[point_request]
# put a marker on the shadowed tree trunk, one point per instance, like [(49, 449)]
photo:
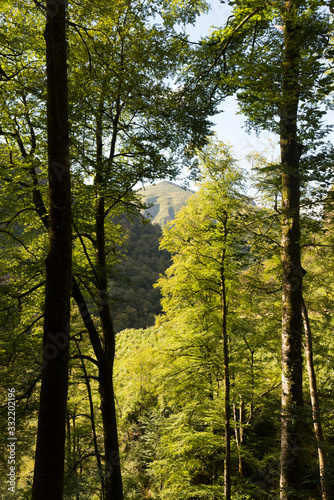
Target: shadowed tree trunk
[(50, 448), (113, 478), (239, 420), (113, 489), (315, 406), (292, 273), (92, 418)]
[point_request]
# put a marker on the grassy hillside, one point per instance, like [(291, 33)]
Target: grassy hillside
[(167, 199)]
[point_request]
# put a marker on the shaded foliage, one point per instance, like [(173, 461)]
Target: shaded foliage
[(136, 302)]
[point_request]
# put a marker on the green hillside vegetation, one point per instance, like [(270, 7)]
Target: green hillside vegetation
[(215, 351), (135, 302), (166, 199), (190, 358)]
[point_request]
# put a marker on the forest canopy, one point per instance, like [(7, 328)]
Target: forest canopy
[(186, 362)]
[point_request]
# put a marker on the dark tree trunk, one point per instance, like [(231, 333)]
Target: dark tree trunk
[(326, 495), (227, 403), (113, 481), (292, 273), (50, 448), (92, 419), (113, 478)]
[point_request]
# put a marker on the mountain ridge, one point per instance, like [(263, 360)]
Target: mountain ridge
[(166, 198)]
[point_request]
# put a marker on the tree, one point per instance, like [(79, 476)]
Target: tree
[(204, 329), (50, 447), (282, 87), (125, 103), (292, 272), (323, 468), (129, 123)]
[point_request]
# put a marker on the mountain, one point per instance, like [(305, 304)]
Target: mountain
[(167, 199), (135, 302)]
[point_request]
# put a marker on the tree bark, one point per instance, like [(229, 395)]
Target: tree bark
[(227, 403), (292, 273), (92, 419), (113, 489), (59, 178), (113, 478), (315, 406), (239, 417), (50, 447)]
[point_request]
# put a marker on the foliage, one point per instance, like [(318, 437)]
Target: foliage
[(139, 101), (123, 66), (135, 303), (193, 371)]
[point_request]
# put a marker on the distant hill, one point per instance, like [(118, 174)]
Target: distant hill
[(167, 199), (135, 303)]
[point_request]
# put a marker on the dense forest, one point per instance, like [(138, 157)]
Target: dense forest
[(193, 361)]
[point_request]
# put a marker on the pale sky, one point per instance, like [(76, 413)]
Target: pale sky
[(229, 126)]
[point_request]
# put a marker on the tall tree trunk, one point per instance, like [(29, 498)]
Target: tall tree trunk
[(113, 479), (292, 273), (315, 405), (50, 447), (227, 403)]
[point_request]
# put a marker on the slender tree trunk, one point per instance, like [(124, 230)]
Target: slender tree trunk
[(92, 418), (113, 479), (227, 404), (315, 405), (50, 448), (239, 417), (292, 274)]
